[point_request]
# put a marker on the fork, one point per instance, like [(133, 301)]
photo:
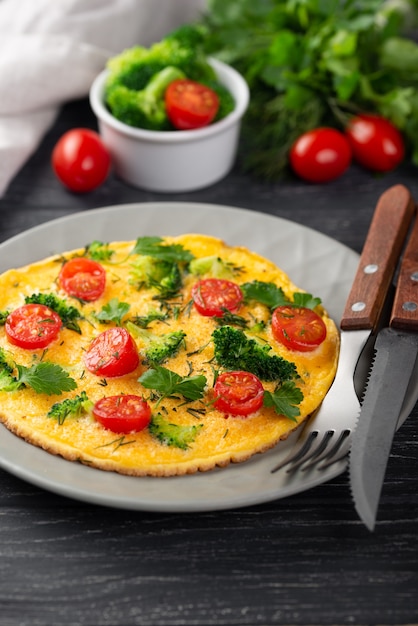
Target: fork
[(326, 438)]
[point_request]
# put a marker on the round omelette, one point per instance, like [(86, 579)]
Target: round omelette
[(171, 297)]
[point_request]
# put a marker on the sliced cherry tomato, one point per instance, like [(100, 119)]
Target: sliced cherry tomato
[(238, 393), (32, 326), (298, 328), (320, 155), (213, 296), (83, 279), (190, 105), (80, 160), (123, 414), (376, 143), (112, 353)]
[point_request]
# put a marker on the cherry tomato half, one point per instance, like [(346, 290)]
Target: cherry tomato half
[(83, 279), (122, 414), (190, 105), (113, 353), (375, 142), (320, 155), (298, 328), (80, 160), (213, 296), (238, 393), (32, 326)]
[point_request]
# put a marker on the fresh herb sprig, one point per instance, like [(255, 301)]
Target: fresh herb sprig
[(168, 383), (43, 376), (311, 64)]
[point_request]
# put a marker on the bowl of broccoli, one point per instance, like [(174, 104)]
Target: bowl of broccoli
[(170, 116)]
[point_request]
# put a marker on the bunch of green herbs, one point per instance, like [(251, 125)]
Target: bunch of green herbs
[(312, 63)]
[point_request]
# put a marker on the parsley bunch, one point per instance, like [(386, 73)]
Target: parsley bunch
[(312, 63)]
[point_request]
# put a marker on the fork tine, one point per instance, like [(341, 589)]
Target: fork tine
[(303, 449), (331, 453), (326, 452)]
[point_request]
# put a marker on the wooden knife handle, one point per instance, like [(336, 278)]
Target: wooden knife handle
[(404, 313), (382, 249)]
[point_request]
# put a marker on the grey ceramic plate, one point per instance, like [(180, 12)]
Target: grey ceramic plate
[(314, 262)]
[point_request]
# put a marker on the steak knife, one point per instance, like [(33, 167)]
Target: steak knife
[(391, 380)]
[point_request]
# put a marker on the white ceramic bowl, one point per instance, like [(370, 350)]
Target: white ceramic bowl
[(173, 161)]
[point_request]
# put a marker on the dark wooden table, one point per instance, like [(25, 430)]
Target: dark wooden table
[(306, 559)]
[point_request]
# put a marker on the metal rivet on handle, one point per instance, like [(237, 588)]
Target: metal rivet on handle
[(358, 306), (414, 276), (409, 306), (370, 269)]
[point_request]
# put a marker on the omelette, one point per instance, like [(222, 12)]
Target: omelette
[(161, 356)]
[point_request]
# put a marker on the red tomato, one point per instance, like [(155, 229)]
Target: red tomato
[(238, 393), (375, 142), (83, 279), (190, 105), (122, 414), (298, 328), (112, 353), (32, 326), (213, 296), (80, 160), (320, 155)]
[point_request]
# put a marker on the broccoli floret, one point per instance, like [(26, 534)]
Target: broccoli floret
[(138, 78), (174, 435), (235, 351), (164, 276), (3, 317), (157, 348), (8, 382), (68, 314), (145, 108), (213, 266), (71, 407)]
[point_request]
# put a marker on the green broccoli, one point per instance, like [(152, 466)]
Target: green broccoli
[(164, 276), (213, 266), (174, 435), (71, 407), (68, 314), (8, 382), (157, 348), (145, 108), (138, 78), (235, 351)]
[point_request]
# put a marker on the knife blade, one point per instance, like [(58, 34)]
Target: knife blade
[(392, 372)]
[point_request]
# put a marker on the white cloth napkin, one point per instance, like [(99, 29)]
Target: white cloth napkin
[(51, 50)]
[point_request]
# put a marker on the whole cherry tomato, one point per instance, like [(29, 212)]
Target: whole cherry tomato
[(83, 279), (122, 414), (80, 160), (238, 393), (32, 326), (113, 353), (375, 142), (320, 155), (298, 328), (190, 105), (212, 297)]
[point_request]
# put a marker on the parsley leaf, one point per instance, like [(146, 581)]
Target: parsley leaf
[(273, 296), (284, 399), (168, 383), (155, 247), (265, 293), (45, 377), (113, 311)]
